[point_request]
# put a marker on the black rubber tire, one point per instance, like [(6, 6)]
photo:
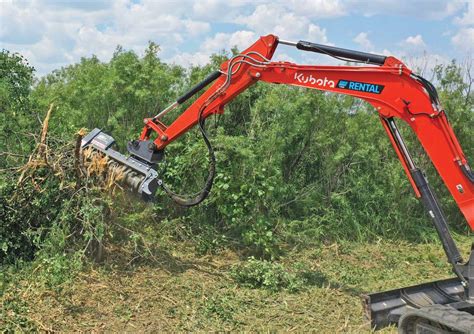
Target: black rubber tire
[(446, 318)]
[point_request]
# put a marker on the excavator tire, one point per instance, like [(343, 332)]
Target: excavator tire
[(436, 319)]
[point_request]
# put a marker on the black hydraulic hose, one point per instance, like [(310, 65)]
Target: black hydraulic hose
[(433, 94), (468, 173), (204, 192)]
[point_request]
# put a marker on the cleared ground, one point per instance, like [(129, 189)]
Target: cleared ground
[(177, 291)]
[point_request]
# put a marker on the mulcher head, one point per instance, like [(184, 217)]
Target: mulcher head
[(137, 174)]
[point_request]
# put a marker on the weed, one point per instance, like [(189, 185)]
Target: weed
[(220, 307), (210, 241), (123, 312), (267, 275), (13, 316), (58, 271)]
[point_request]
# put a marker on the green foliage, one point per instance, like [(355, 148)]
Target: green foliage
[(115, 96), (220, 307), (295, 167), (16, 79), (58, 270), (266, 275), (49, 212), (13, 316), (457, 97)]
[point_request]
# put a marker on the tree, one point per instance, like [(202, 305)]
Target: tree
[(16, 79)]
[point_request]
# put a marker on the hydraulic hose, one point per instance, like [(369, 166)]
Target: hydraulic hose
[(191, 200), (468, 173), (204, 192)]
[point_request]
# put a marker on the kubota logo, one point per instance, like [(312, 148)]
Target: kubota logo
[(300, 77)]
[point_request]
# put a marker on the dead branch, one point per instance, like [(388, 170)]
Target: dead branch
[(39, 156)]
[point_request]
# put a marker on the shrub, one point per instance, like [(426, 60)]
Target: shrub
[(266, 275)]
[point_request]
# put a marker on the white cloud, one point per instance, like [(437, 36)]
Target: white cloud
[(242, 39), (189, 59), (464, 40), (19, 25), (414, 43), (432, 9), (467, 17), (53, 33), (277, 19), (219, 10), (195, 28), (318, 8), (415, 40), (425, 63), (363, 40), (87, 5), (272, 18), (205, 8), (89, 41), (281, 56), (317, 34), (60, 32)]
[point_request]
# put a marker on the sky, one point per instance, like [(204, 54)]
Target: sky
[(53, 33)]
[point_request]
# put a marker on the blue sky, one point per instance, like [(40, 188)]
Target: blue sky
[(52, 33)]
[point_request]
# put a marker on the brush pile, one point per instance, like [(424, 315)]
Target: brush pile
[(59, 187), (63, 160)]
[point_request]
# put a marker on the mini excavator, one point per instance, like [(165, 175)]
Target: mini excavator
[(396, 93)]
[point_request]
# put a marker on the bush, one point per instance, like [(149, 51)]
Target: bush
[(49, 208), (26, 216)]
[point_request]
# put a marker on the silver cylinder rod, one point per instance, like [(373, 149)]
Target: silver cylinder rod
[(401, 144), (166, 110), (290, 43)]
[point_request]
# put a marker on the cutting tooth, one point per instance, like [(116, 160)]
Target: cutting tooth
[(133, 179), (110, 172)]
